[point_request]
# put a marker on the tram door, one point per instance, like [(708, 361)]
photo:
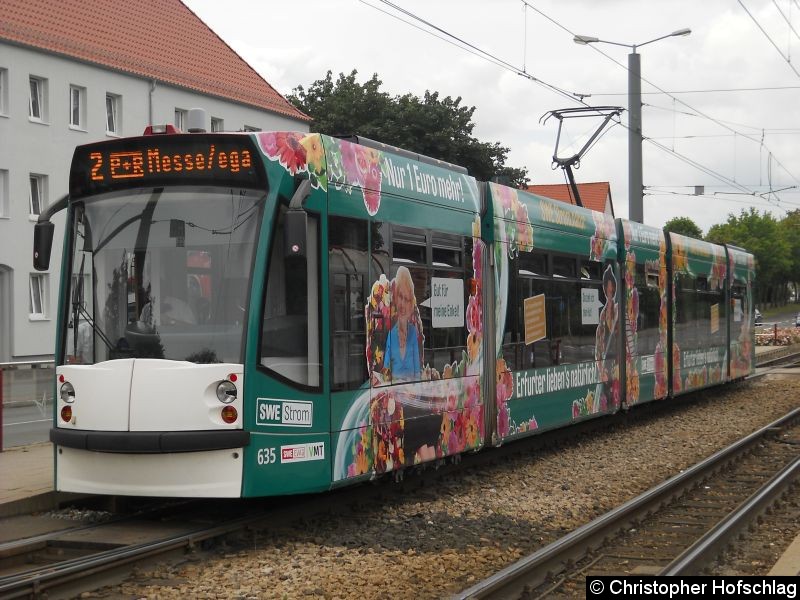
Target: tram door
[(289, 417)]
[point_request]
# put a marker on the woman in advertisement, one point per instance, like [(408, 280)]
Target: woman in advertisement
[(402, 364), (403, 360)]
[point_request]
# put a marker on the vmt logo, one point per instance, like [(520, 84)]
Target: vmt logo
[(303, 452), (284, 413)]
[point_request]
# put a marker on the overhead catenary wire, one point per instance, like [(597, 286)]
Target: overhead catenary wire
[(469, 47), (707, 91), (761, 201), (785, 18), (749, 14), (757, 129), (462, 44), (681, 157), (615, 61)]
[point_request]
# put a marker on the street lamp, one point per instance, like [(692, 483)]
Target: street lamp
[(635, 184)]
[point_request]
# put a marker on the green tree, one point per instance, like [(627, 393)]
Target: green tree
[(437, 127), (790, 230), (684, 226), (759, 234)]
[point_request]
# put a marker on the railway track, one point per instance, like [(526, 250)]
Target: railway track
[(781, 356), (64, 563), (675, 528), (52, 562)]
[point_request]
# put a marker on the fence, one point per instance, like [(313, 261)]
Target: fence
[(26, 383)]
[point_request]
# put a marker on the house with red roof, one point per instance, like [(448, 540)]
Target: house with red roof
[(79, 71), (596, 196)]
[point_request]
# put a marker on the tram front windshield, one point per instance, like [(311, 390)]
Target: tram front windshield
[(161, 273)]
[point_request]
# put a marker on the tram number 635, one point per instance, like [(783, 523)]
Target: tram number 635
[(265, 456)]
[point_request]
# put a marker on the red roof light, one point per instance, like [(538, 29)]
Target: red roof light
[(160, 129)]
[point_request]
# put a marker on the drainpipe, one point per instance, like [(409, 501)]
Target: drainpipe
[(150, 103)]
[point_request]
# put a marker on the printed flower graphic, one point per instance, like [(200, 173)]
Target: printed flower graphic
[(504, 389), (516, 222), (357, 166), (297, 153), (603, 234), (285, 147)]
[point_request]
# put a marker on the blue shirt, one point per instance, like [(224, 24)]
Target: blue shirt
[(403, 368)]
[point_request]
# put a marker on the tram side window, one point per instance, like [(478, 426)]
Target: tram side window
[(447, 260), (290, 341), (646, 283), (564, 267), (421, 258), (567, 340), (348, 266), (686, 312), (738, 309), (710, 328), (512, 345), (592, 270)]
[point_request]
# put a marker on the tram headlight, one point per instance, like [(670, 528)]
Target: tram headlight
[(67, 393), (226, 392)]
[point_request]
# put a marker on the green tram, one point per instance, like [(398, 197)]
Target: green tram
[(276, 313)]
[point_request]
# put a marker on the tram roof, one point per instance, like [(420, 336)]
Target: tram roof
[(642, 236)]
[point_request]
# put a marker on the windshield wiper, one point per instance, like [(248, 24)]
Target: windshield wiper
[(79, 310)]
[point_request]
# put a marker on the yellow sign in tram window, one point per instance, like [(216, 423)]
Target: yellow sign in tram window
[(535, 321), (714, 318)]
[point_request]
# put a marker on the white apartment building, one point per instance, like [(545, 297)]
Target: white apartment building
[(79, 71)]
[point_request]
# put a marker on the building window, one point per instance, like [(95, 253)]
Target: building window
[(113, 105), (77, 107), (181, 116), (250, 128), (37, 195), (38, 303), (4, 194), (37, 109), (217, 125), (3, 91)]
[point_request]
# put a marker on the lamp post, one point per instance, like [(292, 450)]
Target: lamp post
[(635, 184)]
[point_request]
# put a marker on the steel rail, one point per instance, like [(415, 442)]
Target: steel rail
[(692, 560), (771, 360), (37, 580), (533, 569)]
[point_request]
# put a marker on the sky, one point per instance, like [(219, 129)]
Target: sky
[(721, 105)]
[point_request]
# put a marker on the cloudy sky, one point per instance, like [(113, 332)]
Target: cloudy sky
[(729, 120)]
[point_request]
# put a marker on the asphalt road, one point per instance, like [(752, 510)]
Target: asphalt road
[(785, 318)]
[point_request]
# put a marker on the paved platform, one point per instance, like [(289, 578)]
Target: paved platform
[(771, 352), (789, 563), (26, 479)]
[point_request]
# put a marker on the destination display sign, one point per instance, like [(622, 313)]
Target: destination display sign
[(174, 159)]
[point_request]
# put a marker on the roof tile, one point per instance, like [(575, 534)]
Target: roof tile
[(155, 39)]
